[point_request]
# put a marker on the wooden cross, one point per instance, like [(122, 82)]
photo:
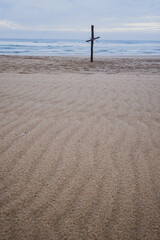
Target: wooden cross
[(92, 41)]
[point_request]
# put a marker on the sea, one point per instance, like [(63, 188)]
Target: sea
[(61, 47)]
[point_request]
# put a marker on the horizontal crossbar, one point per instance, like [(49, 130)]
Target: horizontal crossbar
[(92, 39)]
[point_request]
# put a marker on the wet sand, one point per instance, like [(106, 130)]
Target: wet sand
[(79, 148)]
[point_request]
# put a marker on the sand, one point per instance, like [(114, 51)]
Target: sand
[(79, 148)]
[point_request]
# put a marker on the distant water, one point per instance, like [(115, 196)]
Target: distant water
[(38, 47)]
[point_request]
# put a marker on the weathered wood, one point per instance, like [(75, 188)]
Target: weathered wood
[(92, 41)]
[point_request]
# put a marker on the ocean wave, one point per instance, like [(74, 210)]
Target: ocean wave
[(77, 47)]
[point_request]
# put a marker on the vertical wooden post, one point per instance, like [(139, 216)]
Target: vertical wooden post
[(92, 41)]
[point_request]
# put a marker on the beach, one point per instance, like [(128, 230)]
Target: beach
[(79, 148)]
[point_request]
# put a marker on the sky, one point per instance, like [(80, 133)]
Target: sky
[(71, 19)]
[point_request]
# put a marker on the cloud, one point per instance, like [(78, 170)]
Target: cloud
[(155, 26), (121, 27), (53, 29), (9, 24), (16, 26), (108, 19), (150, 17), (132, 27)]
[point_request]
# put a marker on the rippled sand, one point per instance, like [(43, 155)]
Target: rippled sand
[(79, 149)]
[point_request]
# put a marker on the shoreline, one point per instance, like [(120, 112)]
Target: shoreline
[(83, 56)]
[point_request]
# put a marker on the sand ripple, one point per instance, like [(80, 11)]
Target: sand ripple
[(79, 156)]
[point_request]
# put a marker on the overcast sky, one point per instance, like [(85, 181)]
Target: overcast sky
[(113, 19)]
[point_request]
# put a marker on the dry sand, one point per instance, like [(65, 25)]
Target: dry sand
[(79, 148)]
